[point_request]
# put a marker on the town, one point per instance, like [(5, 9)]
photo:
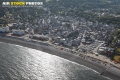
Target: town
[(76, 34), (60, 39)]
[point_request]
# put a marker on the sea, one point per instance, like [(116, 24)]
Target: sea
[(22, 63)]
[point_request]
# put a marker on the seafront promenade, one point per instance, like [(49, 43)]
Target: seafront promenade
[(92, 57), (81, 58)]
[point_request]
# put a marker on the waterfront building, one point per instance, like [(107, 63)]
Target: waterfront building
[(4, 29), (18, 32), (106, 51), (40, 37)]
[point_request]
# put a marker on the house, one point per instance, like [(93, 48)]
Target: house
[(86, 41), (75, 42), (10, 24), (105, 51), (40, 37), (29, 31), (4, 29), (18, 32)]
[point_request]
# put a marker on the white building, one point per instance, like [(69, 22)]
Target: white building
[(10, 25), (83, 40), (40, 37), (18, 32), (29, 30), (4, 29)]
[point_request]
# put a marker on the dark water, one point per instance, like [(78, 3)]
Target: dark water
[(20, 63)]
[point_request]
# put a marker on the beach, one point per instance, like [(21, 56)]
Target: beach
[(112, 72)]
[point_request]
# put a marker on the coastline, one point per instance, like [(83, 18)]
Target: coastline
[(112, 73)]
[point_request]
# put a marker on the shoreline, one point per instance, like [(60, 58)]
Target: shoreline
[(112, 73)]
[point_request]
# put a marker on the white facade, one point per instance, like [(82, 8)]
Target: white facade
[(4, 29), (83, 40), (10, 25), (18, 32)]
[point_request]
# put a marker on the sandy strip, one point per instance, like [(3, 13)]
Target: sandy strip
[(112, 73)]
